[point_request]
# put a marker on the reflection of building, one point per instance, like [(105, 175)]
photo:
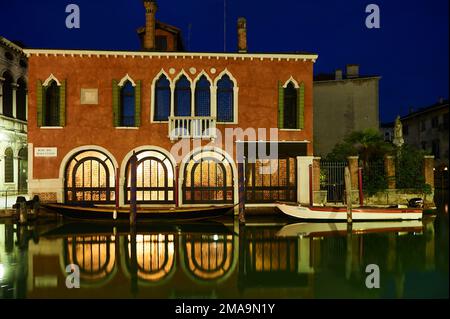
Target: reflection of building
[(90, 110), (13, 117), (343, 103)]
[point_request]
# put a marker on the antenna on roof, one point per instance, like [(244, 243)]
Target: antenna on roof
[(189, 36), (224, 25)]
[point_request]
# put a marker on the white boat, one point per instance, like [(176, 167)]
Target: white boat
[(358, 213), (324, 229)]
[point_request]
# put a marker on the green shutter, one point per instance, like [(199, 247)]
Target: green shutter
[(137, 97), (62, 104), (115, 103), (301, 106), (280, 105), (40, 103)]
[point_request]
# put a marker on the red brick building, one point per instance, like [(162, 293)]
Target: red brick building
[(90, 110)]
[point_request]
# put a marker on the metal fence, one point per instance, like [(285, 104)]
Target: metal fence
[(332, 180), (8, 198)]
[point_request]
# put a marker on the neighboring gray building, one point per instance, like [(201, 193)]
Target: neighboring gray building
[(343, 103), (13, 118), (427, 129)]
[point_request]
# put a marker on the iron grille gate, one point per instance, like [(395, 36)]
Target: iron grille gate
[(332, 180)]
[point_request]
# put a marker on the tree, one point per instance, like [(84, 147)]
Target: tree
[(367, 144)]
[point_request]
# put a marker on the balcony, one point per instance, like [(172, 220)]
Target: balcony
[(192, 127)]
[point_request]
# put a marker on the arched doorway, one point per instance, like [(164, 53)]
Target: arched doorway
[(22, 180), (89, 177), (155, 178), (208, 178)]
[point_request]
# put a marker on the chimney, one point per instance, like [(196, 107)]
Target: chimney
[(242, 35), (338, 75), (441, 100), (352, 71), (411, 110), (150, 24)]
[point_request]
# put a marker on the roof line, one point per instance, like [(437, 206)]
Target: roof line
[(291, 56)]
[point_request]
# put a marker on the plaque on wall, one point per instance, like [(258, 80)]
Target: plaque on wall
[(89, 96), (46, 152)]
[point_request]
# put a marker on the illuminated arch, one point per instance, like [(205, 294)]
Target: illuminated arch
[(156, 259), (208, 259), (94, 255), (221, 179)]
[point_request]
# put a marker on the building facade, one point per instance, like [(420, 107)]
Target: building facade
[(427, 129), (343, 103), (89, 111), (13, 118)]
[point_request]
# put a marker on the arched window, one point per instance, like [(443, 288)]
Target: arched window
[(7, 95), (290, 107), (162, 99), (127, 104), (21, 100), (225, 99), (90, 178), (154, 179), (9, 165), (208, 178), (183, 97), (52, 106), (203, 97)]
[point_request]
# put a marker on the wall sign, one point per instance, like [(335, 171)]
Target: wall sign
[(46, 152)]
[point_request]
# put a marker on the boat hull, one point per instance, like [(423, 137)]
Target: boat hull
[(324, 229), (358, 214), (143, 215)]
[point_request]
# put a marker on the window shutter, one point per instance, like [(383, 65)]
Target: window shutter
[(301, 106), (137, 104), (115, 103), (40, 103), (280, 105), (62, 104)]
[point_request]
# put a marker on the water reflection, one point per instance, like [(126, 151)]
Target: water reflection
[(282, 260)]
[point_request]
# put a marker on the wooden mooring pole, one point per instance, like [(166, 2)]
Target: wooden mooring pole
[(133, 207), (241, 187), (348, 194)]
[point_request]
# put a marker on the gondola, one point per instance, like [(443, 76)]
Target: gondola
[(143, 215)]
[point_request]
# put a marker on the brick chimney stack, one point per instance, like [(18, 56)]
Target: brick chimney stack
[(352, 71), (150, 24), (242, 35)]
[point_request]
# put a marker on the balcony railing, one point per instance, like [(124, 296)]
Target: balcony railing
[(192, 127)]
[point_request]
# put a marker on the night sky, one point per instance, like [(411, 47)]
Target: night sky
[(410, 50)]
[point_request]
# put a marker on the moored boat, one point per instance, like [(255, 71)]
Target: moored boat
[(103, 213), (358, 213)]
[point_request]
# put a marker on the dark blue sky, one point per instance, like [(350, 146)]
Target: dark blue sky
[(410, 51)]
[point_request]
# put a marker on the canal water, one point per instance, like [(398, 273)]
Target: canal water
[(268, 258)]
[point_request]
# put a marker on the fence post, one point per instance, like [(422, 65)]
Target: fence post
[(353, 168), (348, 194), (389, 167), (360, 186), (311, 195)]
